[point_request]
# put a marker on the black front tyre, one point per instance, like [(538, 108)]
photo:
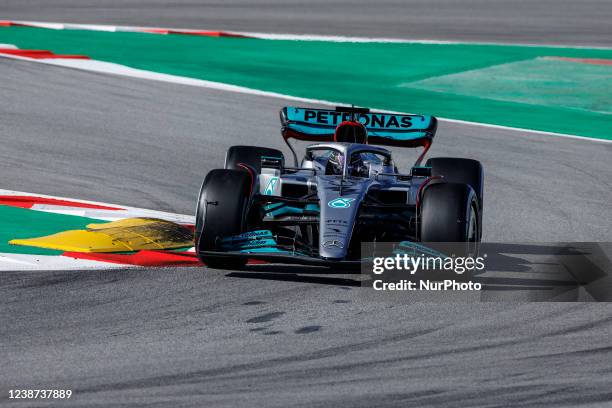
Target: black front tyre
[(449, 213), (221, 212)]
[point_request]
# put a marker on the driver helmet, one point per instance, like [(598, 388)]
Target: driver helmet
[(357, 166), (351, 131), (335, 163)]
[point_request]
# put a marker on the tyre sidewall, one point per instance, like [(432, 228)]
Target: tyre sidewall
[(446, 212), (230, 190)]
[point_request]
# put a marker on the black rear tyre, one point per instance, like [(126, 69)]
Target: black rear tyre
[(457, 170), (449, 213), (221, 212), (465, 171), (249, 155)]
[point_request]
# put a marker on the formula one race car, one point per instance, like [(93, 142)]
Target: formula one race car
[(346, 190)]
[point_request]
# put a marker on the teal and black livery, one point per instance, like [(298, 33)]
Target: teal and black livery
[(387, 129), (282, 209), (344, 191)]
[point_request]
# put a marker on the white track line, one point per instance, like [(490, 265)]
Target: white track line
[(123, 70), (291, 37), (101, 214), (28, 262), (336, 38)]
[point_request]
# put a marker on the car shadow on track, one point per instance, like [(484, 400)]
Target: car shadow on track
[(293, 273), (542, 272), (572, 271)]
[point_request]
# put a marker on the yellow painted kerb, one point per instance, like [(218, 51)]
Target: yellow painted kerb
[(130, 234)]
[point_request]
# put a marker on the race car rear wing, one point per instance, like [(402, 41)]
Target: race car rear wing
[(387, 129)]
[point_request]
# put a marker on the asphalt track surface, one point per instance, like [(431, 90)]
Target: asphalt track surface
[(584, 22), (277, 336)]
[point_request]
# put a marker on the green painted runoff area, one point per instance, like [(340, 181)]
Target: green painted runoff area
[(540, 81), (18, 222), (417, 78)]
